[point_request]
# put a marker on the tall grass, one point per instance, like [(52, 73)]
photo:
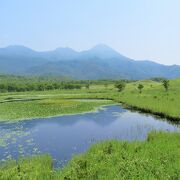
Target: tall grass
[(156, 158), (154, 98), (34, 168)]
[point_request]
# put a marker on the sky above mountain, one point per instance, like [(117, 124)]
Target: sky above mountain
[(141, 29)]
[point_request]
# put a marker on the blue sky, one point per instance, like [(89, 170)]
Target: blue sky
[(139, 29)]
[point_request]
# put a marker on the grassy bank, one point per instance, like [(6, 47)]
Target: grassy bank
[(156, 158), (153, 99)]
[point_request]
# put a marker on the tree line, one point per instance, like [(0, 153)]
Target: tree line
[(15, 87), (13, 83), (10, 83)]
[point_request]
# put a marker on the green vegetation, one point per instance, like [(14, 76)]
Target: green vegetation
[(166, 84), (120, 86), (140, 87), (32, 104), (36, 168), (153, 99), (25, 108), (21, 84), (10, 83), (156, 158)]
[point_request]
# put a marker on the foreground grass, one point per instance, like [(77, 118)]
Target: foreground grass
[(35, 168), (156, 158)]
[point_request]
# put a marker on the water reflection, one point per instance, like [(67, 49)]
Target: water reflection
[(64, 136)]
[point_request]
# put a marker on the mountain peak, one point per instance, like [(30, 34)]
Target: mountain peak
[(102, 46), (17, 47), (17, 50), (62, 53), (65, 49), (103, 51)]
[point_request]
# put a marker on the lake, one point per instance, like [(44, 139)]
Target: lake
[(64, 136)]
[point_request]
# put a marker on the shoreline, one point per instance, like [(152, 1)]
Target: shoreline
[(125, 105), (151, 112), (146, 111)]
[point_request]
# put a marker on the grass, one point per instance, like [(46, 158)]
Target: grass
[(153, 99), (34, 168), (18, 109), (156, 158)]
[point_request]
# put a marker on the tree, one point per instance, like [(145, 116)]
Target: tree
[(165, 83), (140, 87), (106, 85), (3, 88), (120, 86), (87, 85)]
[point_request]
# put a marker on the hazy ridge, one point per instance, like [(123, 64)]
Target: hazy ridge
[(99, 62)]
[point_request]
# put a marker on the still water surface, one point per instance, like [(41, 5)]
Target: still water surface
[(61, 137)]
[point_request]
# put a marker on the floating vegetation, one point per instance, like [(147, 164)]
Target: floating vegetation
[(48, 107), (10, 140), (11, 135)]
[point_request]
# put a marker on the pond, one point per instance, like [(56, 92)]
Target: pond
[(64, 136)]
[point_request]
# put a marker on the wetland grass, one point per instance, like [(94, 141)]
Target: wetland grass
[(156, 158), (153, 99), (54, 106)]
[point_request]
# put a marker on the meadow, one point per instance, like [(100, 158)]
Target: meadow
[(156, 158), (153, 99), (35, 104)]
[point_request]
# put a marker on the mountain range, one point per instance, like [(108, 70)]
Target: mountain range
[(99, 62)]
